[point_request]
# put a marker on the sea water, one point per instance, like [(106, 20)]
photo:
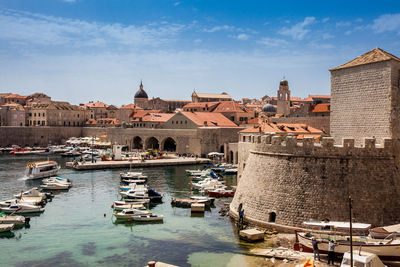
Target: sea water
[(78, 229)]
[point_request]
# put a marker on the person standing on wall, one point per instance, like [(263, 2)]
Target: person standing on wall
[(315, 248), (331, 252)]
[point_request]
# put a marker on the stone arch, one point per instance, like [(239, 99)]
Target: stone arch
[(272, 217), (231, 156), (152, 143), (137, 142), (168, 144)]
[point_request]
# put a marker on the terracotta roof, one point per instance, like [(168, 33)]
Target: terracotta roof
[(202, 95), (375, 55), (131, 106), (293, 128), (141, 112), (103, 121), (322, 108), (157, 117), (15, 96), (229, 106), (311, 98), (200, 104), (14, 106), (209, 119), (97, 104)]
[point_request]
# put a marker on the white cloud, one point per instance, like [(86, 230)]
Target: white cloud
[(177, 3), (387, 23), (242, 37), (272, 41), (348, 32), (69, 1), (29, 28), (327, 36), (299, 30), (220, 28), (343, 24), (325, 20)]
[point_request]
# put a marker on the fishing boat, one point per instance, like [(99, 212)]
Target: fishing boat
[(6, 227), (220, 192), (206, 183), (56, 179), (385, 231), (33, 192), (385, 249), (22, 208), (148, 218), (128, 206), (55, 186), (128, 213), (71, 154), (41, 169), (12, 219)]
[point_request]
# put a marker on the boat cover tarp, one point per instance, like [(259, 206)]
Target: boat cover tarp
[(392, 228), (340, 225)]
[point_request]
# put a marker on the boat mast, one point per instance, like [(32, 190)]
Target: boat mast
[(351, 233)]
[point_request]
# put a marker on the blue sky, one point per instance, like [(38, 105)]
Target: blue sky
[(81, 50)]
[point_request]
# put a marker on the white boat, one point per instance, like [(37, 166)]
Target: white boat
[(22, 208), (57, 180), (41, 169), (33, 192), (386, 249), (129, 206), (207, 183), (10, 202), (148, 218), (12, 219), (128, 175), (132, 194), (361, 259), (385, 231), (128, 213), (231, 171), (55, 186), (128, 201), (134, 187), (6, 227), (201, 199), (136, 181)]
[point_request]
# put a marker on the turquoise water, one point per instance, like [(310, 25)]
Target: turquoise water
[(74, 232)]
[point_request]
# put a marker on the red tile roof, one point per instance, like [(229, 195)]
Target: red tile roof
[(322, 108), (201, 105), (157, 117), (131, 106), (141, 112), (294, 128), (229, 106), (15, 96), (209, 119), (97, 104)]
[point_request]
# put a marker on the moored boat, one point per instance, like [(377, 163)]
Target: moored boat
[(41, 169), (385, 231), (22, 208), (221, 192), (12, 219), (128, 213), (148, 218), (6, 227)]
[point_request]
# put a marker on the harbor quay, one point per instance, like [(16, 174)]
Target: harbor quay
[(136, 163)]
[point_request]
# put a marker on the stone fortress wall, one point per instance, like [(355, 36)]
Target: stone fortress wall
[(286, 183)]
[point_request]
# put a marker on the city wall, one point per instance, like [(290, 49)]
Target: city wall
[(286, 183), (41, 136)]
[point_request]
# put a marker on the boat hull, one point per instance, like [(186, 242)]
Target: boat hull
[(384, 252)]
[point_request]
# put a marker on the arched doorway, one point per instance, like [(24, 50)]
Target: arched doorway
[(169, 145), (221, 149), (152, 143), (272, 217), (231, 156), (137, 143)]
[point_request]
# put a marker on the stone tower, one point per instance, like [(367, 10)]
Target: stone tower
[(365, 98), (141, 97), (283, 103)]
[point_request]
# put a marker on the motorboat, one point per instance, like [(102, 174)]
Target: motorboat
[(128, 213), (10, 202), (56, 179), (148, 218), (22, 208), (126, 190), (385, 249), (129, 175), (221, 192), (33, 192), (385, 231), (206, 182), (361, 259), (203, 198), (71, 153), (133, 200), (231, 171), (12, 219), (6, 227), (187, 202), (129, 206), (41, 169), (55, 186), (136, 181)]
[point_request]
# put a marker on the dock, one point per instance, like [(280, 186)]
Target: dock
[(136, 164)]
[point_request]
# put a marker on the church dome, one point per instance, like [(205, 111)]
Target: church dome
[(268, 108), (141, 93)]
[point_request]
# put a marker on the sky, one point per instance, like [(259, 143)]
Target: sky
[(100, 50)]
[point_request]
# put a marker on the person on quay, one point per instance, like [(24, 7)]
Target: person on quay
[(331, 252), (315, 243)]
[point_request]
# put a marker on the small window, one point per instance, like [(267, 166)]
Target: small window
[(272, 217)]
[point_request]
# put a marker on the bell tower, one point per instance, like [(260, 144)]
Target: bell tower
[(283, 103)]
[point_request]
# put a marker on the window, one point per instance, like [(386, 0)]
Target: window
[(43, 114), (38, 114), (34, 114), (272, 217)]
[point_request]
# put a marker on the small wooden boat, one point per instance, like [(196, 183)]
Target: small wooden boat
[(131, 201), (128, 213), (22, 209), (187, 202), (10, 219), (203, 198), (148, 218), (6, 227), (55, 186), (221, 192), (128, 206), (33, 192)]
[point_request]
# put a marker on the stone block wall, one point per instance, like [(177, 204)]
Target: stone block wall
[(361, 101), (301, 182)]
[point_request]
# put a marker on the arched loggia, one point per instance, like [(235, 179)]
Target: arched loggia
[(152, 143), (169, 145), (137, 143)]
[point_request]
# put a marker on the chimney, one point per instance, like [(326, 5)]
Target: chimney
[(205, 123)]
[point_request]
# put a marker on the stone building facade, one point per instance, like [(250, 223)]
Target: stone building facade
[(283, 183)]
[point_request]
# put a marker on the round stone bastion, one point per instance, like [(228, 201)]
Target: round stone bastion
[(285, 183)]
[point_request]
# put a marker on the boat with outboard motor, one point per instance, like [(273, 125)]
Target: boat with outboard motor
[(128, 213), (41, 169), (33, 192), (12, 219), (220, 192), (22, 208), (148, 218)]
